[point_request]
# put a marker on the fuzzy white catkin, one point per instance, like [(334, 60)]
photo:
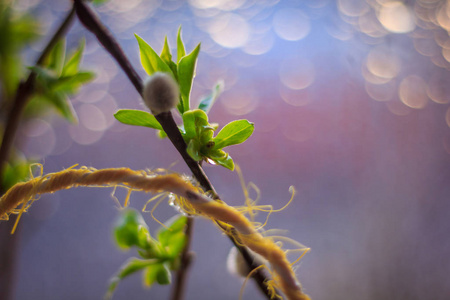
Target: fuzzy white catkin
[(161, 93), (237, 265)]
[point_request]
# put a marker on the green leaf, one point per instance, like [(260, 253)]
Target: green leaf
[(176, 245), (128, 232), (221, 157), (55, 60), (201, 118), (186, 74), (226, 162), (129, 267), (206, 135), (44, 75), (233, 133), (164, 277), (71, 83), (137, 118), (166, 56), (62, 105), (150, 60), (207, 102), (99, 2), (162, 134), (189, 125), (193, 149), (16, 170), (192, 121), (73, 63), (158, 272), (181, 52), (172, 226)]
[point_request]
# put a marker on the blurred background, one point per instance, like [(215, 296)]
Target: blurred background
[(351, 105)]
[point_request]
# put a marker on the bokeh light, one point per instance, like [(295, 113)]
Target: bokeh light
[(291, 24), (412, 92), (383, 63), (229, 30), (297, 73), (396, 17)]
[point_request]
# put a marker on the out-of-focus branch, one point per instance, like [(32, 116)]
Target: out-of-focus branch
[(93, 24), (179, 286), (24, 91)]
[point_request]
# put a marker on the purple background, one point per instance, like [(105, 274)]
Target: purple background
[(349, 105)]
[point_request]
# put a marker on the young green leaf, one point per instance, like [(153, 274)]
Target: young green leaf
[(222, 158), (186, 74), (137, 118), (15, 170), (158, 272), (166, 56), (233, 133), (55, 60), (172, 226), (128, 232), (162, 134), (176, 244), (73, 63), (150, 60), (226, 162), (164, 277), (192, 121), (193, 149), (62, 105), (207, 102), (71, 83), (129, 267), (189, 125), (181, 52), (151, 273)]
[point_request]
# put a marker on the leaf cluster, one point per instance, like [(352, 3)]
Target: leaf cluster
[(158, 255), (58, 78), (196, 130)]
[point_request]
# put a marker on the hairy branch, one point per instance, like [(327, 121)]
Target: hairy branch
[(189, 200)]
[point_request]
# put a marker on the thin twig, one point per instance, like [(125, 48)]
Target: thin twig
[(185, 262), (24, 91), (90, 20)]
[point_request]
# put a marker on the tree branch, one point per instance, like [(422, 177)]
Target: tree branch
[(90, 20), (24, 91), (186, 259)]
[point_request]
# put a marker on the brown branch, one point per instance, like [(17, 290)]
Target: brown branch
[(186, 260), (90, 20), (24, 92)]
